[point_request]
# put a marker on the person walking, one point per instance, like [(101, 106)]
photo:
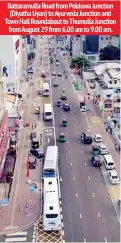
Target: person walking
[(26, 208), (35, 125), (116, 146), (32, 126)]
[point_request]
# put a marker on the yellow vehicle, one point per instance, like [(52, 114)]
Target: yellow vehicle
[(37, 110)]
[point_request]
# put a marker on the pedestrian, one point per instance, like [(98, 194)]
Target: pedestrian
[(26, 208), (116, 146), (35, 125), (110, 130), (28, 95), (32, 126), (119, 148), (106, 129)]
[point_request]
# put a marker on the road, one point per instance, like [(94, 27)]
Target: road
[(88, 212)]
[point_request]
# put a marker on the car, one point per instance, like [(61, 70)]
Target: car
[(57, 63), (86, 138), (33, 135), (96, 161), (63, 97), (54, 73), (113, 176), (103, 149), (66, 107), (32, 163), (37, 153), (85, 108), (59, 74), (55, 84), (97, 138), (92, 85), (95, 149)]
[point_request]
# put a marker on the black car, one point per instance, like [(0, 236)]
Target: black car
[(86, 138), (66, 107), (35, 143), (96, 161), (37, 153), (33, 135), (32, 163), (63, 97)]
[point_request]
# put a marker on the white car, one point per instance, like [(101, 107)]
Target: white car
[(57, 63), (103, 149), (97, 138), (55, 84), (59, 74), (113, 177), (54, 73)]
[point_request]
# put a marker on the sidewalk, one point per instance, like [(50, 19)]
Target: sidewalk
[(13, 216)]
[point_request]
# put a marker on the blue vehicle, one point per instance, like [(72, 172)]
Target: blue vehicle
[(58, 103)]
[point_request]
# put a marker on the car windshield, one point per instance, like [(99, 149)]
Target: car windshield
[(95, 148), (110, 163), (114, 177), (103, 148)]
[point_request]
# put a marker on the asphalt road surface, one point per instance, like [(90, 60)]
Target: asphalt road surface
[(88, 212)]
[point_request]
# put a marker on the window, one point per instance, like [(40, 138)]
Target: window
[(115, 81), (108, 106), (101, 38), (106, 38)]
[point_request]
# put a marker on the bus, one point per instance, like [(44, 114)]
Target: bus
[(50, 168), (46, 89), (51, 206), (48, 112)]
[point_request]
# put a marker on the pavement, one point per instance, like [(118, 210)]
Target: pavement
[(13, 216), (88, 209)]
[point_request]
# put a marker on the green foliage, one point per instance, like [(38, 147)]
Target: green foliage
[(110, 53), (81, 61)]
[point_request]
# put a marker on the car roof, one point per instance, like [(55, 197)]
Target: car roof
[(97, 135), (66, 104), (102, 145), (62, 134), (113, 172)]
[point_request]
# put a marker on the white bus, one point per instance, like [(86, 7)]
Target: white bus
[(51, 162), (51, 206), (48, 112), (46, 89)]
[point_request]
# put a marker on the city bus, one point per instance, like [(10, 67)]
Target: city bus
[(51, 162)]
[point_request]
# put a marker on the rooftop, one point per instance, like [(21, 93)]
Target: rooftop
[(100, 69)]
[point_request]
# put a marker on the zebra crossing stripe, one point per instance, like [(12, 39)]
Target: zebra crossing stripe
[(17, 237)]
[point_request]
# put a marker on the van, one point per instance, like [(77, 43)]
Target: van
[(46, 89), (108, 161)]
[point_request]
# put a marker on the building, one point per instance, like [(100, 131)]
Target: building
[(76, 46), (10, 54), (4, 138)]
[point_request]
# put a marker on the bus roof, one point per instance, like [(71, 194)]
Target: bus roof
[(48, 107), (51, 208), (50, 184), (51, 158)]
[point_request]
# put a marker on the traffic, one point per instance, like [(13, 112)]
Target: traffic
[(80, 157)]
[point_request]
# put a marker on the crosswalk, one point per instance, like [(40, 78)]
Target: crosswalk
[(23, 236), (96, 120), (17, 237)]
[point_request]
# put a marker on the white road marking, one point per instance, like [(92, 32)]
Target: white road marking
[(73, 117), (71, 164), (61, 216), (22, 233), (105, 239), (98, 215), (16, 239), (76, 194), (80, 215), (93, 194), (75, 125), (69, 152), (82, 152), (84, 240), (73, 178), (89, 177), (62, 224), (67, 141), (77, 133), (85, 163), (48, 140)]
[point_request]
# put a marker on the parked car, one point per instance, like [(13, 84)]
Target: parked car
[(37, 153), (113, 177), (33, 135), (54, 73), (92, 85), (85, 108), (32, 163), (59, 74), (103, 149)]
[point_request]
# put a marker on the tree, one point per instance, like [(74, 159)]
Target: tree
[(81, 61), (110, 53)]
